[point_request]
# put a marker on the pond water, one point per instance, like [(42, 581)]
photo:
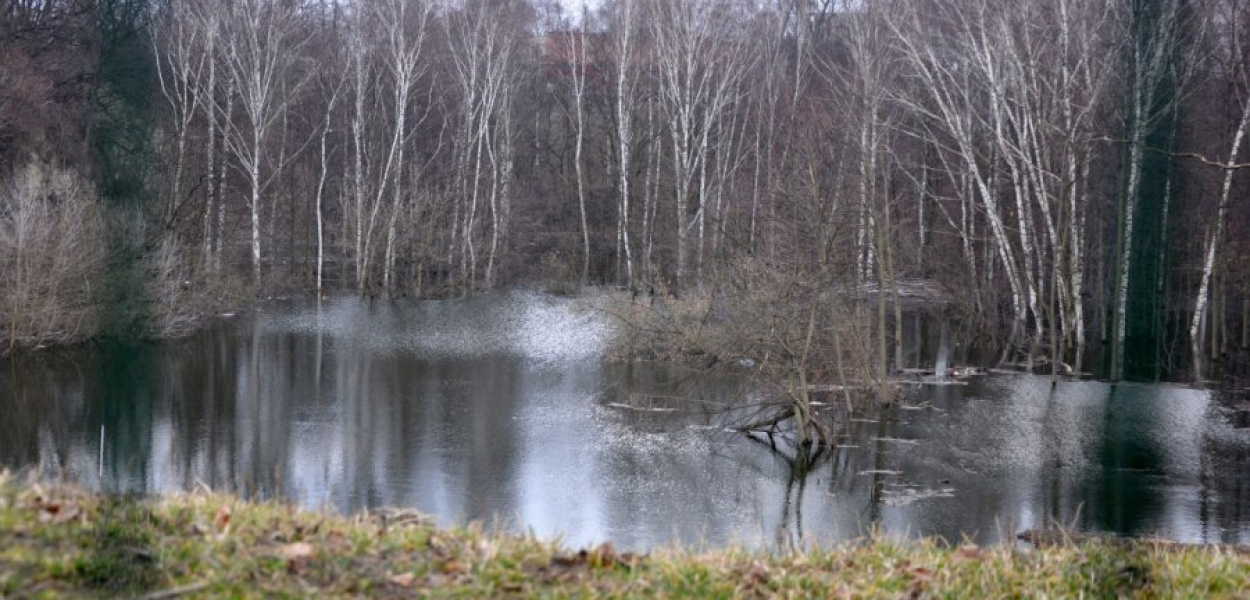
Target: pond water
[(503, 409)]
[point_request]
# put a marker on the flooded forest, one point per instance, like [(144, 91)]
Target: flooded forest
[(1064, 182), (655, 271)]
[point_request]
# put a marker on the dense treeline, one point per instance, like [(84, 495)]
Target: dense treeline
[(1066, 178)]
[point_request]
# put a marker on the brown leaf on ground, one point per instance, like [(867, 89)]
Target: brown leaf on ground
[(922, 574), (67, 514), (297, 555), (453, 567), (51, 511), (297, 550), (222, 520), (403, 580), (969, 552)]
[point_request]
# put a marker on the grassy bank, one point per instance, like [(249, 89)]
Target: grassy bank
[(59, 542)]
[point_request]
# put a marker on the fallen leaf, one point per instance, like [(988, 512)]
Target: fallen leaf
[(297, 555), (403, 580), (969, 552), (297, 550), (222, 520), (55, 511), (453, 567), (65, 515), (922, 574), (48, 510)]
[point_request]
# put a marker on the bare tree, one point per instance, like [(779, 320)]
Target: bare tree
[(183, 54), (334, 85), (263, 51), (1232, 50), (576, 57), (483, 45), (1009, 95), (405, 30), (623, 31), (52, 257), (700, 67)]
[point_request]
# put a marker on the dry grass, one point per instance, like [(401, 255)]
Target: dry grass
[(60, 542)]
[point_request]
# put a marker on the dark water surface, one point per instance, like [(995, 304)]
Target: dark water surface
[(503, 409)]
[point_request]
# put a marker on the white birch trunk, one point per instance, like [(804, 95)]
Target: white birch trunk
[(1213, 242)]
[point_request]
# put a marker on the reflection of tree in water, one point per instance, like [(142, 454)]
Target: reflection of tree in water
[(665, 395), (1129, 461), (1224, 492), (637, 451), (123, 394), (664, 476), (799, 460), (851, 463), (41, 399)]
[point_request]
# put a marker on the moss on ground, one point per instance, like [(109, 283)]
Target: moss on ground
[(59, 541)]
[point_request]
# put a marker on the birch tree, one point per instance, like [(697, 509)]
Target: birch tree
[(483, 45), (623, 32), (1010, 91), (179, 45), (404, 29), (1232, 49), (362, 84), (575, 56), (700, 65), (208, 23), (263, 51), (333, 86)]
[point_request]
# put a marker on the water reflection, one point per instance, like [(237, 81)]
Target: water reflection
[(502, 408)]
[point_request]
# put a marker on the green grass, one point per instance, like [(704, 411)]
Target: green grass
[(63, 542)]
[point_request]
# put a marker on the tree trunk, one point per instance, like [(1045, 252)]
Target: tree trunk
[(1213, 242)]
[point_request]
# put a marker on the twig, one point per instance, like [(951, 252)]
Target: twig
[(1194, 155)]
